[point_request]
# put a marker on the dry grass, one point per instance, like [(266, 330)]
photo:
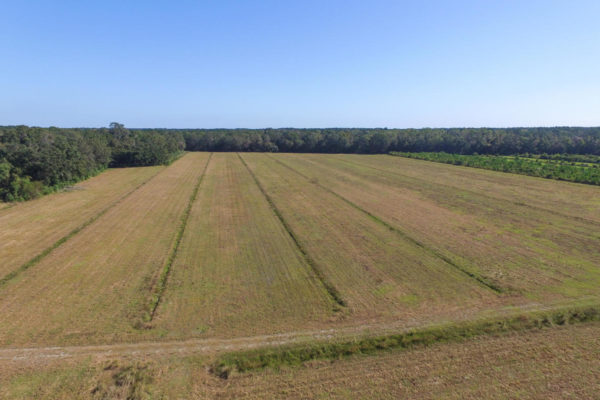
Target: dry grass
[(556, 363), (30, 227), (377, 273), (91, 288), (237, 271), (536, 249), (395, 238)]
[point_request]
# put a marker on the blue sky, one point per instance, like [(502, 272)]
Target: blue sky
[(300, 63)]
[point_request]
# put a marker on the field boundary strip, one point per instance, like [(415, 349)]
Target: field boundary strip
[(297, 354), (158, 290), (236, 345), (329, 287), (516, 203), (32, 262), (401, 233)]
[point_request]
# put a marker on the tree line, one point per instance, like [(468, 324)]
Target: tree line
[(37, 160), (569, 140)]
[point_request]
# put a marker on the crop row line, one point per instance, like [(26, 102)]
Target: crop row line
[(329, 287), (158, 290), (483, 281), (13, 274)]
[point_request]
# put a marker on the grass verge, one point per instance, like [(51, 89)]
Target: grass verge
[(293, 355)]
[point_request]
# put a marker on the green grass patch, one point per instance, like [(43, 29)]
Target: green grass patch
[(588, 173)]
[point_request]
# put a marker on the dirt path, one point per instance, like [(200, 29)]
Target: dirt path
[(212, 345), (191, 346), (28, 355)]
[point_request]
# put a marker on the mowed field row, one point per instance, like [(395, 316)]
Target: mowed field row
[(29, 228), (377, 272), (237, 270), (543, 250), (95, 287), (237, 245)]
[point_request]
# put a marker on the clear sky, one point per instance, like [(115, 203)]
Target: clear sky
[(303, 63)]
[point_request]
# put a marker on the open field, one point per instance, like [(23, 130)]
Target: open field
[(377, 272), (31, 227), (561, 363), (223, 251)]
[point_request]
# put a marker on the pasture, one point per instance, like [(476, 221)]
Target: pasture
[(220, 250)]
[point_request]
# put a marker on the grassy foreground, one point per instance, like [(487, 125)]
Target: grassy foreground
[(298, 354), (557, 363)]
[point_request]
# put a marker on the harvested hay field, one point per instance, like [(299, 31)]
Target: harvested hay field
[(561, 363), (377, 272), (148, 275)]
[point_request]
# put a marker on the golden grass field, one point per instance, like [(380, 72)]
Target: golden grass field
[(225, 251), (377, 272)]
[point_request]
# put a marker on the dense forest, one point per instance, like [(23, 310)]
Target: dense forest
[(458, 140), (556, 167), (35, 161)]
